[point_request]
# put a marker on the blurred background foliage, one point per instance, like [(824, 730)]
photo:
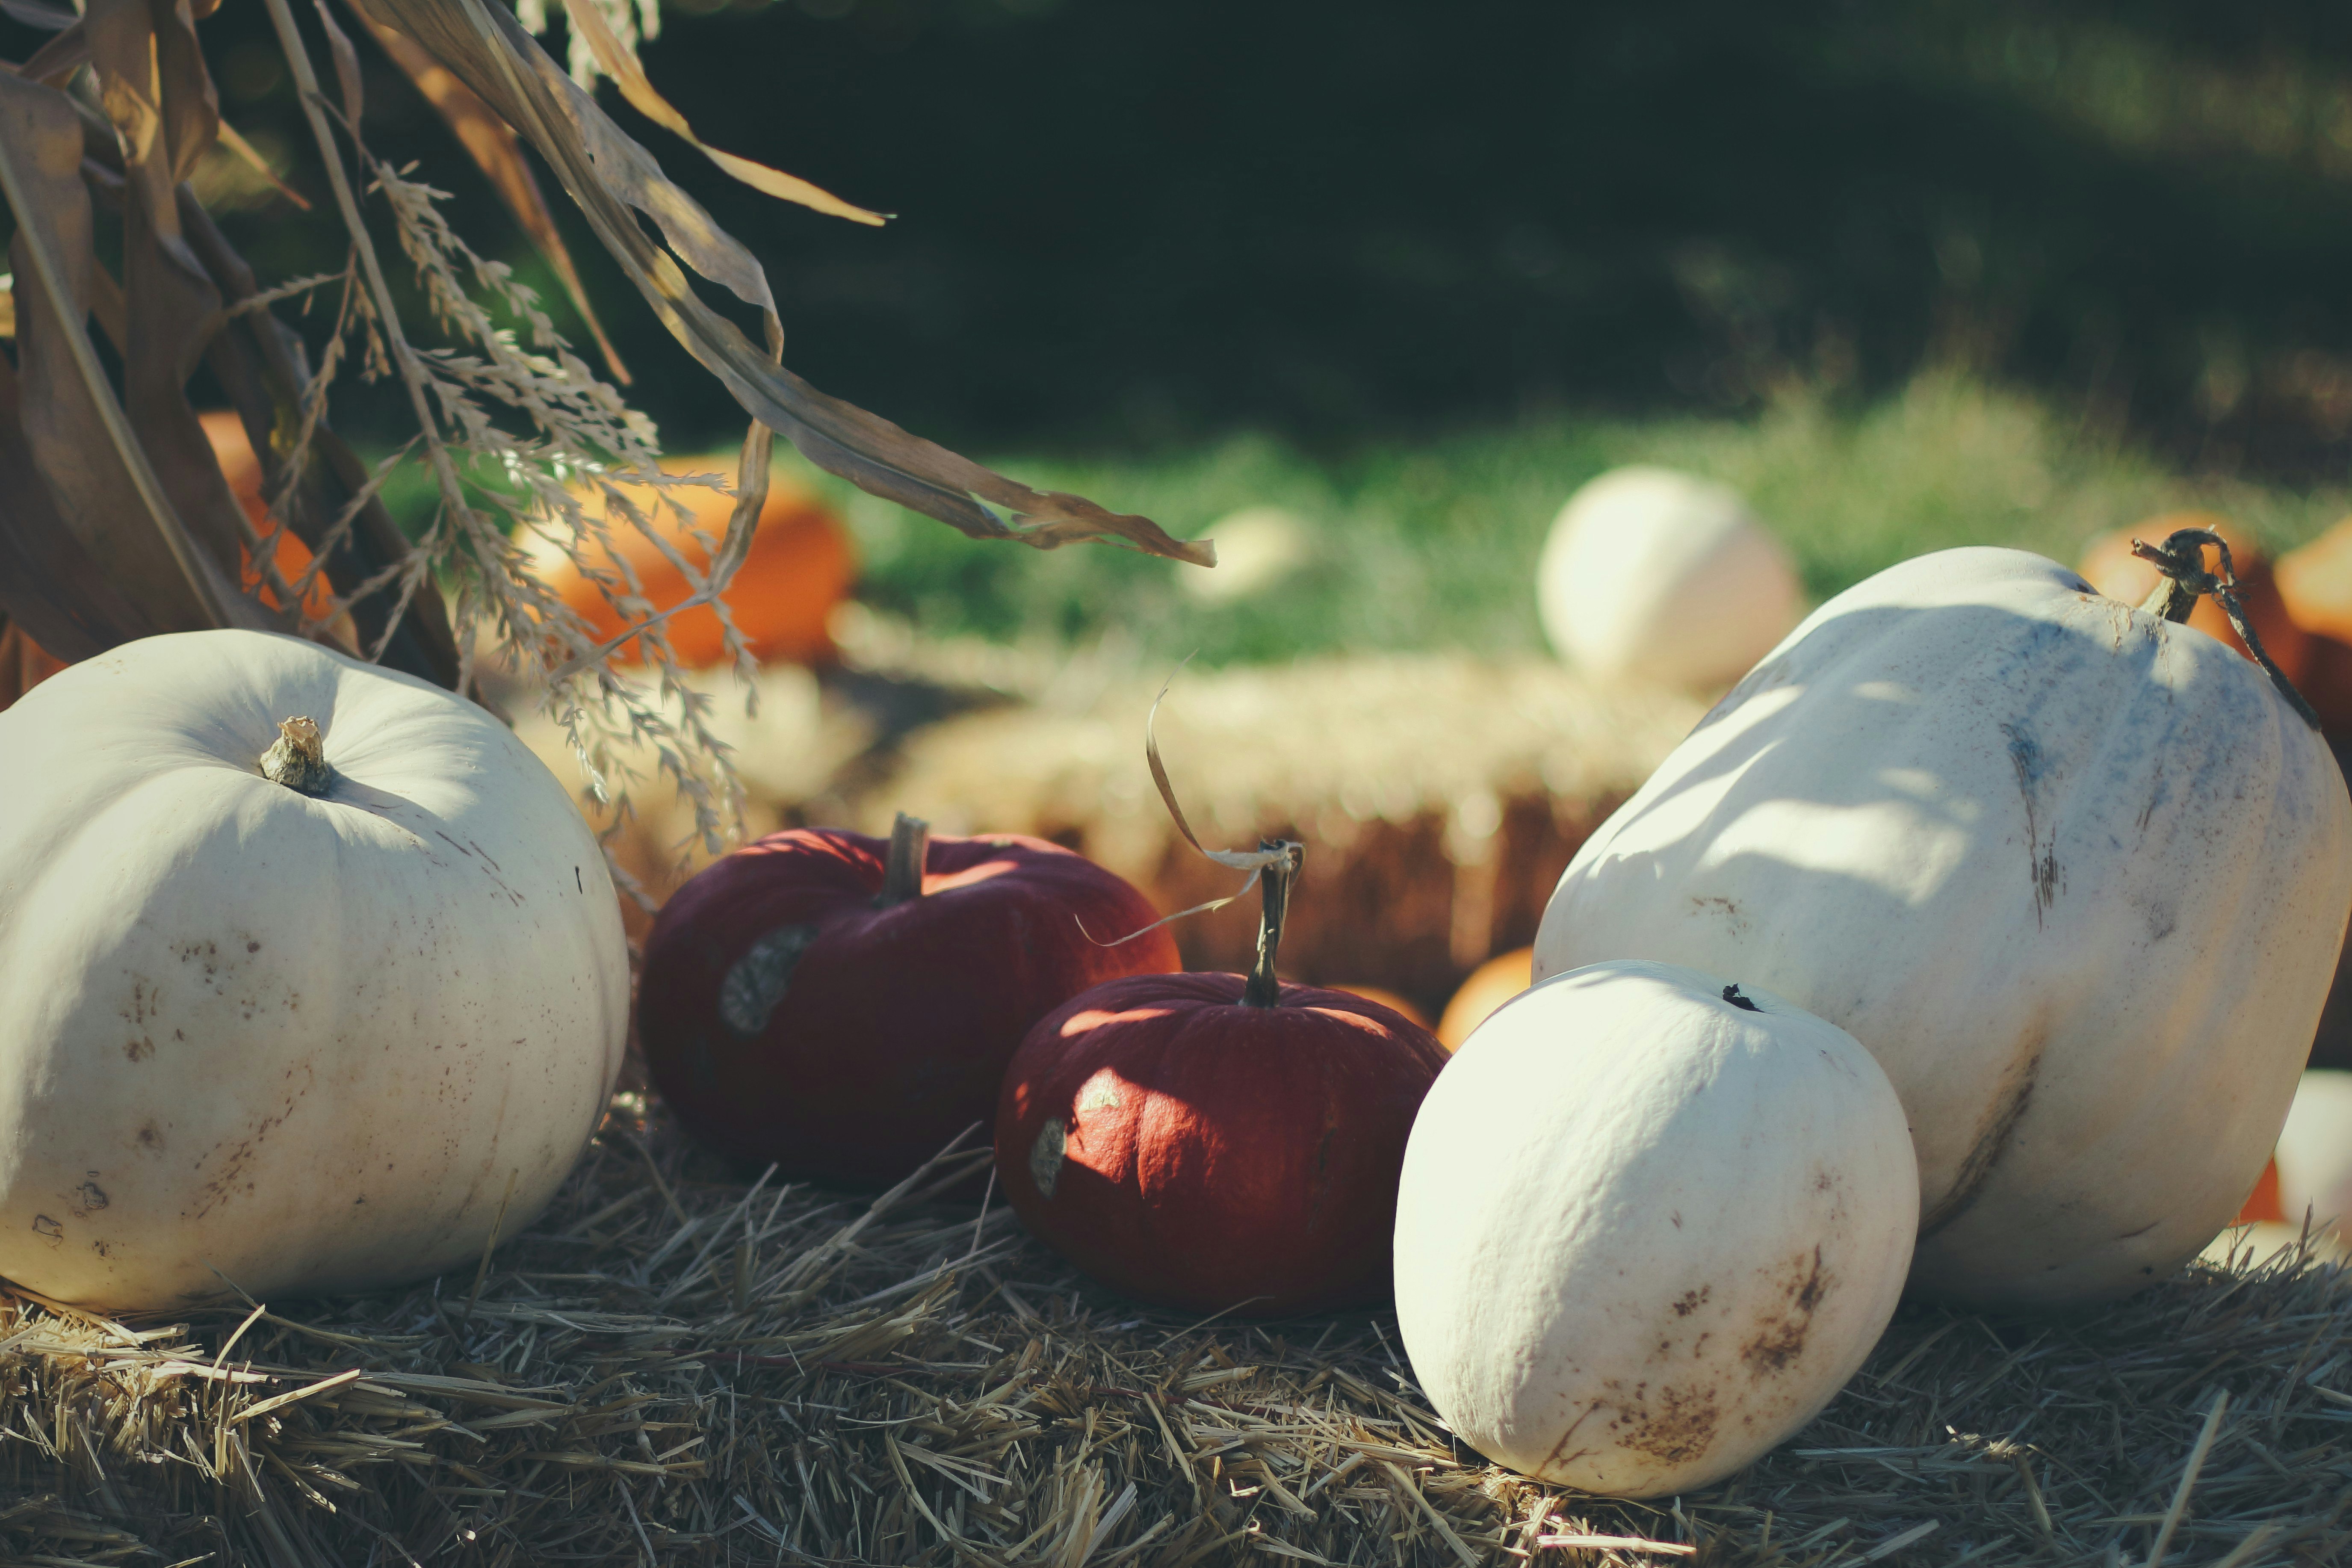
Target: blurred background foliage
[(1909, 272)]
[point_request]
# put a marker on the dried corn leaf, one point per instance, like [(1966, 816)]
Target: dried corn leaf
[(154, 87), (620, 62), (607, 173), (50, 586), (79, 439), (35, 14), (496, 151), (59, 58), (251, 155), (347, 66)]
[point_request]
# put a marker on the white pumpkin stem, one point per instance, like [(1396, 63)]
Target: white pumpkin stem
[(902, 873), (1262, 989), (2182, 560), (298, 759)]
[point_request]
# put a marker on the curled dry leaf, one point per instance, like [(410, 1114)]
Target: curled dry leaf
[(620, 62), (1269, 855), (607, 173)]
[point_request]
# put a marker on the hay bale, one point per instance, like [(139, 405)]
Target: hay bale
[(1439, 796), (677, 1364)]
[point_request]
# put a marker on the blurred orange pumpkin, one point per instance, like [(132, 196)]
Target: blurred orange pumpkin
[(800, 566), (2109, 562), (24, 663), (2263, 1205), (234, 452), (1490, 985), (2315, 583), (1389, 999)]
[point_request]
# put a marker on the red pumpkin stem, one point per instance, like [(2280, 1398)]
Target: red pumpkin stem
[(1263, 990), (902, 873), (2182, 560)]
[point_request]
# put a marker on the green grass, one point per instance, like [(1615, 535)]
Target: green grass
[(1433, 545)]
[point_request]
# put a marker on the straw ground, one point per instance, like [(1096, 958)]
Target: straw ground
[(681, 1364)]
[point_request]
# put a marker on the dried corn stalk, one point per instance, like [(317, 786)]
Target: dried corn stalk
[(115, 520)]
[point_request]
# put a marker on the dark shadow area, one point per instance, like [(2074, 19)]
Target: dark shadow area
[(1140, 223)]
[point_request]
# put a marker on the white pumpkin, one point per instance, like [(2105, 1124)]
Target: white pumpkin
[(2077, 877), (1649, 1224), (312, 1043), (1654, 575)]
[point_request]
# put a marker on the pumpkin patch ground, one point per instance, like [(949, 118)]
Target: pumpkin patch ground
[(675, 1361)]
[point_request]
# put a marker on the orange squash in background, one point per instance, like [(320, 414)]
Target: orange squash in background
[(1490, 985), (1395, 1004), (2262, 1205), (233, 453), (2109, 562), (2315, 583), (800, 566)]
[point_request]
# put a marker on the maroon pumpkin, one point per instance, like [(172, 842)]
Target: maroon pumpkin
[(1216, 1143), (816, 1001)]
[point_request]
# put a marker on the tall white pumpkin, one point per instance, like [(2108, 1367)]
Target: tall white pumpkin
[(1648, 1226), (305, 1043), (1656, 575), (2075, 876)]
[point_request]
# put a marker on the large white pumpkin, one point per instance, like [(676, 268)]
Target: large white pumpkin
[(313, 1044), (2077, 877), (1646, 1231), (1654, 575)]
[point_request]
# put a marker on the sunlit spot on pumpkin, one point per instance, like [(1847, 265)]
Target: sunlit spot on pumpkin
[(1373, 1027), (1094, 1018), (968, 877)]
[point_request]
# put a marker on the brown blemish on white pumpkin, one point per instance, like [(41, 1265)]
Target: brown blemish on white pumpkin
[(1674, 1427), (2048, 878), (1778, 1343), (1734, 920), (90, 1196), (150, 1139), (139, 1049), (1690, 1301), (47, 1229)]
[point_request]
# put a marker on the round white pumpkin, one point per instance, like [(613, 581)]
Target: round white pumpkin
[(1654, 575), (2077, 877), (304, 1043), (1646, 1231)]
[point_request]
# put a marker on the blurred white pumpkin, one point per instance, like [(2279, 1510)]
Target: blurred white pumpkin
[(2314, 1153), (1649, 1224), (1656, 575), (1259, 548)]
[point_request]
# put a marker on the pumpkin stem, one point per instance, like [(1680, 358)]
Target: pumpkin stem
[(902, 873), (2182, 560), (1263, 990), (298, 759)]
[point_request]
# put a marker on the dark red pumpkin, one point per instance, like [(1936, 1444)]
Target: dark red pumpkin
[(1218, 1143), (814, 1001)]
